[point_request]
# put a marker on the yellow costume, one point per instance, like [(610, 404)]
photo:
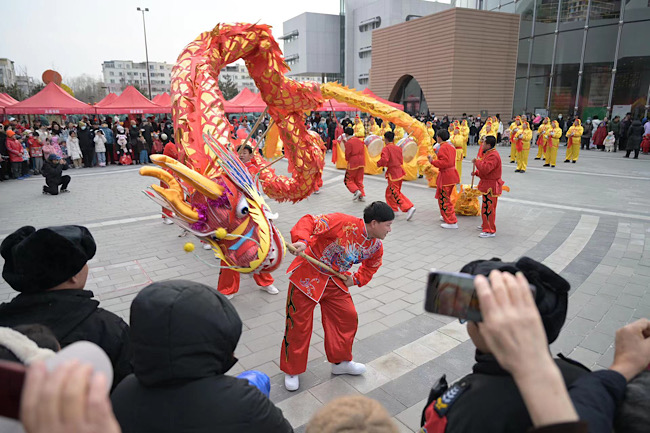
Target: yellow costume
[(525, 135), (514, 130), (374, 128), (464, 130), (399, 134), (430, 130), (554, 134), (359, 130), (541, 141), (573, 136), (457, 140)]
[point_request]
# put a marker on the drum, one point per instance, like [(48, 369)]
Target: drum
[(409, 148), (375, 145)]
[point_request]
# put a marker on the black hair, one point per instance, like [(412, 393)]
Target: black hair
[(389, 135), (442, 134), (348, 131), (491, 141), (245, 147), (378, 211)]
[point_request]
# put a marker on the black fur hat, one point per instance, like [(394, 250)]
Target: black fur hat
[(39, 260), (552, 290)]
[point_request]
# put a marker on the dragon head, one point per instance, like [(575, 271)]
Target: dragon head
[(225, 210)]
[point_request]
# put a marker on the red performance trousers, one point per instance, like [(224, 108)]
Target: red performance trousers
[(354, 180), (394, 197), (340, 324), (489, 212), (229, 281), (446, 206)]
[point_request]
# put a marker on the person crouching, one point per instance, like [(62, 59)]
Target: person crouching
[(52, 169)]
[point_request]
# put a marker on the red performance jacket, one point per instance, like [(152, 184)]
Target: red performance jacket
[(446, 163), (489, 170), (354, 153), (392, 159), (339, 241), (15, 150)]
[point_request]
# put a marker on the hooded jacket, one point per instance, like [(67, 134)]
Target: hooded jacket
[(184, 336), (574, 133)]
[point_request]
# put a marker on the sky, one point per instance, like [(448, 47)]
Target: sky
[(75, 37)]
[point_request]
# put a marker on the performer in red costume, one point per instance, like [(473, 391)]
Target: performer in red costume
[(488, 168), (356, 158), (447, 179), (339, 241), (228, 279), (393, 160)]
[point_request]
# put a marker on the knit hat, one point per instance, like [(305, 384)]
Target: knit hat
[(552, 291), (10, 133), (36, 261)]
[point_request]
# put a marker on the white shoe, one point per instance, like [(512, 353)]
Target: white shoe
[(410, 213), (270, 289), (317, 191), (348, 367), (486, 235), (479, 228), (449, 226), (207, 246), (167, 221), (356, 195), (442, 218), (362, 198), (229, 296), (291, 382)]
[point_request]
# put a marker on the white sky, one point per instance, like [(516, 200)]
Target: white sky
[(76, 36)]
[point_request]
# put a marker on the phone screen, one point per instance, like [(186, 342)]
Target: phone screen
[(452, 294)]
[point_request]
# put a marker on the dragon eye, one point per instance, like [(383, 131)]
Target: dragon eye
[(242, 208)]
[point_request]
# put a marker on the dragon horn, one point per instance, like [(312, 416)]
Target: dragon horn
[(172, 195), (201, 183)]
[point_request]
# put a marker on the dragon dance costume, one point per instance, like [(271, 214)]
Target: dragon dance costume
[(446, 181), (393, 160), (488, 168), (339, 241)]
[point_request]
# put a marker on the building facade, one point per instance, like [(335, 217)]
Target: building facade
[(589, 57), (25, 84), (238, 74), (121, 73), (7, 73)]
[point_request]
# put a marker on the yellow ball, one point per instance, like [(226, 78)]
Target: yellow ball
[(220, 233), (188, 247)]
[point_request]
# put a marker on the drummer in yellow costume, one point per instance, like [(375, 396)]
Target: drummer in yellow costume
[(374, 128), (464, 130), (553, 142), (430, 130), (515, 129), (399, 133), (359, 130), (573, 136), (541, 140), (457, 140), (522, 145)]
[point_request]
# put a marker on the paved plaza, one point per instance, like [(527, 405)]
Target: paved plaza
[(588, 221)]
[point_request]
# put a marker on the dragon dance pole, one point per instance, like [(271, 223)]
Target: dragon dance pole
[(259, 120), (317, 262)]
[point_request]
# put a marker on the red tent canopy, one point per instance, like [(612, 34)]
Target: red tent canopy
[(163, 99), (245, 102), (131, 102), (8, 99), (334, 105), (107, 99), (51, 100), (370, 93)]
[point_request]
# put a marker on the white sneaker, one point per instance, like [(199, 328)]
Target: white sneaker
[(229, 296), (356, 195), (410, 213), (348, 367), (486, 235), (167, 221), (270, 289), (362, 198), (291, 382), (479, 228), (207, 246), (317, 191), (449, 226)]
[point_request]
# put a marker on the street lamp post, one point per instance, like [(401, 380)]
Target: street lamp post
[(146, 50)]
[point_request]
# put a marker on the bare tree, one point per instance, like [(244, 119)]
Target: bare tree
[(87, 88)]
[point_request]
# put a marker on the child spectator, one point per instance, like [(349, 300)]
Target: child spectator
[(36, 152), (100, 147), (15, 150), (64, 152), (123, 148), (74, 150), (157, 147), (610, 141), (142, 149), (25, 168)]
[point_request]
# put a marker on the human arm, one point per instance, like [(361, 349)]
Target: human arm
[(445, 158), (385, 156), (367, 269)]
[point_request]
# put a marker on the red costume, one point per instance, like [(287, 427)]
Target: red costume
[(392, 159), (446, 181), (339, 241), (489, 170), (356, 158)]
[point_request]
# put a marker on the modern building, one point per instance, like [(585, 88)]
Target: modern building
[(121, 73), (7, 73), (312, 47), (238, 73), (25, 84), (470, 69), (590, 57)]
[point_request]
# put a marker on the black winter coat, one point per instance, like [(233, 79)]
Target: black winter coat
[(184, 336), (85, 139), (52, 171), (634, 136), (73, 315)]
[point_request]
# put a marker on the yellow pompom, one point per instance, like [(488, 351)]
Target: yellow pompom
[(188, 247), (220, 233)]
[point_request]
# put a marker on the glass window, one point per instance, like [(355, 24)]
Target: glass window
[(573, 14), (525, 9), (537, 93), (492, 4), (597, 72), (546, 17), (540, 64), (522, 57), (509, 7), (567, 65), (519, 104), (604, 12), (633, 69), (638, 10)]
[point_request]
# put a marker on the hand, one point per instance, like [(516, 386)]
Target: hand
[(632, 349), (349, 281), (299, 246), (69, 400), (474, 161)]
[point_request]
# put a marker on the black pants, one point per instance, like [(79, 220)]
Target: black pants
[(636, 153), (53, 186), (109, 153), (88, 154)]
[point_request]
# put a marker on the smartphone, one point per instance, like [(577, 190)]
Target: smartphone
[(12, 377), (453, 294)]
